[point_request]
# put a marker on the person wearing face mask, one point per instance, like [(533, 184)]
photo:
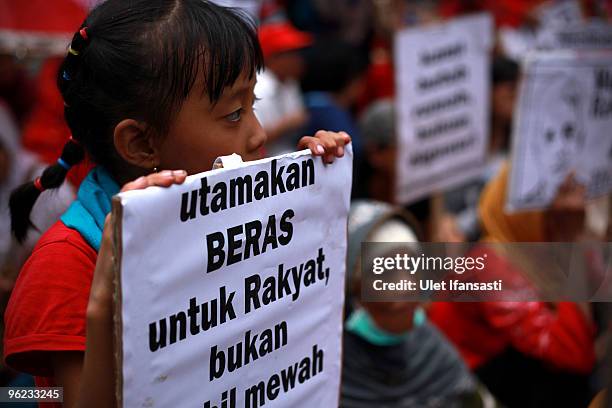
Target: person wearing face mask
[(279, 106), (392, 356)]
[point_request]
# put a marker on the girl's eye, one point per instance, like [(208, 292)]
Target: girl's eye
[(234, 116)]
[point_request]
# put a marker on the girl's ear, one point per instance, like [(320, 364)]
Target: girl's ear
[(135, 145)]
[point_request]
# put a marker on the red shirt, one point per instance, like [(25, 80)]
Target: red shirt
[(47, 309), (561, 337), (505, 12), (380, 81)]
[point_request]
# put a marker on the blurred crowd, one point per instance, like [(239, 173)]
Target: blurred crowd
[(329, 64)]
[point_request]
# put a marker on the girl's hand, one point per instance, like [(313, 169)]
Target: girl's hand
[(164, 178), (100, 298), (97, 379), (326, 144)]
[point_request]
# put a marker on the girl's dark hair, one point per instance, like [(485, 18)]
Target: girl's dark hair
[(139, 59)]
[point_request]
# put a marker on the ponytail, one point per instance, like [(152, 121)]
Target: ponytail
[(23, 198)]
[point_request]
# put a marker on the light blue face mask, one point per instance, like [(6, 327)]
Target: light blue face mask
[(361, 323)]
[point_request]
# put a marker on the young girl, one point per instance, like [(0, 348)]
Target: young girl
[(149, 85)]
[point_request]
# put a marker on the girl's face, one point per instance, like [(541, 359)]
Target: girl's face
[(202, 131)]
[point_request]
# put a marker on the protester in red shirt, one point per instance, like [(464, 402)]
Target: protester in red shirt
[(525, 352)]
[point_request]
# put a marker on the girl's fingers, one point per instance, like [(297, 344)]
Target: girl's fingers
[(102, 287), (311, 143), (345, 136), (335, 142), (102, 283), (164, 178), (326, 144)]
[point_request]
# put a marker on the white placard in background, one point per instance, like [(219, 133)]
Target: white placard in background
[(232, 286), (253, 7), (563, 123), (583, 36), (442, 80), (559, 13)]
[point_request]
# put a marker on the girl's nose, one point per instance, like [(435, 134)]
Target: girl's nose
[(257, 138)]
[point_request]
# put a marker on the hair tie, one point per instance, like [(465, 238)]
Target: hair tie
[(63, 163), (65, 75), (73, 140), (73, 51), (83, 32), (38, 185)]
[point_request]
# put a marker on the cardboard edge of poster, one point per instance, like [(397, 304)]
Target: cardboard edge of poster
[(117, 213), (345, 287)]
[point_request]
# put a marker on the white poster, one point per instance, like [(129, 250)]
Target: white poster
[(442, 79), (559, 13), (587, 36), (563, 124), (232, 286)]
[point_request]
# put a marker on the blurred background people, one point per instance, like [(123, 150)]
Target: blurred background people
[(346, 20), (17, 166), (334, 80), (529, 354), (16, 87), (392, 356), (280, 108), (461, 223), (377, 130)]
